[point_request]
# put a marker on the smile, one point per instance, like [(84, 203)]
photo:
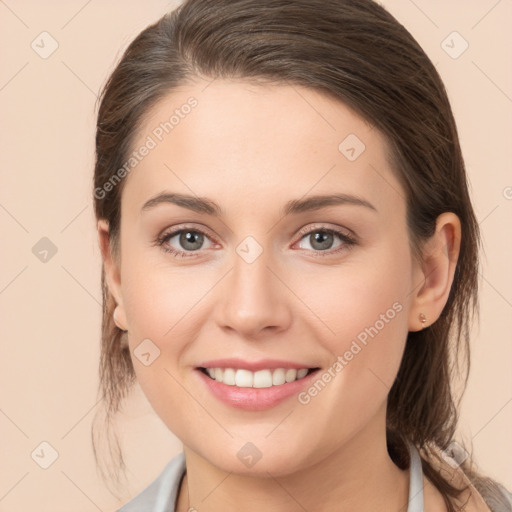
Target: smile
[(259, 379), (255, 391)]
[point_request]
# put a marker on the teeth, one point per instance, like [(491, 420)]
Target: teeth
[(260, 379), (229, 376)]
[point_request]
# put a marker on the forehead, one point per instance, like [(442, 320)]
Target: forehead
[(250, 143)]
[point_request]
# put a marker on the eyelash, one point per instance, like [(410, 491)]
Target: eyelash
[(347, 240)]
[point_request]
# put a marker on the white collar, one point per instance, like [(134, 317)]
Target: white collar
[(416, 500)]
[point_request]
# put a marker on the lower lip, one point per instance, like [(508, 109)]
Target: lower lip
[(255, 399)]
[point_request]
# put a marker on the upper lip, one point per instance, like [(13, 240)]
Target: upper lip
[(262, 364)]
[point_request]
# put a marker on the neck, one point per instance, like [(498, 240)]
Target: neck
[(359, 475)]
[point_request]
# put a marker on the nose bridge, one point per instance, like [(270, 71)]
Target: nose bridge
[(254, 299)]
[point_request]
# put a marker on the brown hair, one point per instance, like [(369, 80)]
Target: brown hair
[(358, 53)]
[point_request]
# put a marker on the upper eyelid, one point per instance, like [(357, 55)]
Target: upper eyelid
[(315, 226), (171, 232)]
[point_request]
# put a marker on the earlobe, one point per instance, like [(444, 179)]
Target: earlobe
[(437, 269), (119, 323), (112, 273)]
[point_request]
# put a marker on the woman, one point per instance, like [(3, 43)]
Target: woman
[(290, 259)]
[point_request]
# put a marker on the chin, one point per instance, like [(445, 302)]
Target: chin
[(247, 458)]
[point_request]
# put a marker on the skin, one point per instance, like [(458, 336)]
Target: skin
[(251, 148)]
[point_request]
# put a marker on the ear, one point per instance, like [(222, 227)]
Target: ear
[(112, 272), (433, 276)]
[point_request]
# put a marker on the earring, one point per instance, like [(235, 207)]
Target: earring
[(116, 321), (423, 320)]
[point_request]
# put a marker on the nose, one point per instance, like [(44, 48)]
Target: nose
[(255, 300)]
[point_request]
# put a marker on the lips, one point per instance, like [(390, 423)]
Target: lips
[(255, 385), (254, 366)]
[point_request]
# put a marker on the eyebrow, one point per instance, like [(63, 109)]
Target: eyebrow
[(295, 206)]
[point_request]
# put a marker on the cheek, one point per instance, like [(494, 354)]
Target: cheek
[(364, 323), (162, 307), (370, 329), (160, 298), (158, 316), (360, 300)]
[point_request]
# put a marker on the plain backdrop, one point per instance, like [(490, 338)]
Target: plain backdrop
[(51, 309)]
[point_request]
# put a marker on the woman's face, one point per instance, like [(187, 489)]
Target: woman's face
[(260, 277)]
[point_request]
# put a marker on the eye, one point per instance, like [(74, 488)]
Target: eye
[(190, 239), (322, 238)]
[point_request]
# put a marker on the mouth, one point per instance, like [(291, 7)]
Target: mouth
[(260, 390), (265, 378)]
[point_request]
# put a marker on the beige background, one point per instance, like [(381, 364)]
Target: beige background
[(51, 310)]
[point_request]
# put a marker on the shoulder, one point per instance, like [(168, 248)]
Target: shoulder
[(495, 495), (482, 494), (162, 490)]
